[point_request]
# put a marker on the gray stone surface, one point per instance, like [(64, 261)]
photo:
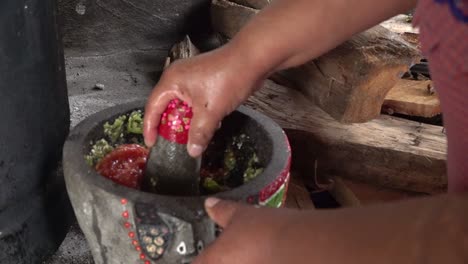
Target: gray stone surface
[(127, 76), (102, 26)]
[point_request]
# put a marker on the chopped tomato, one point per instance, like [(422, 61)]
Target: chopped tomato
[(125, 165)]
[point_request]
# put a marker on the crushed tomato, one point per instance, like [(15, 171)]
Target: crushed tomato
[(125, 165)]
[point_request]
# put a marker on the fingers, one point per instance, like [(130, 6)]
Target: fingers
[(156, 105), (202, 128), (221, 211)]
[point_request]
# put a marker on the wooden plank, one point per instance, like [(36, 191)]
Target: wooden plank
[(349, 82), (412, 97), (371, 194), (387, 152)]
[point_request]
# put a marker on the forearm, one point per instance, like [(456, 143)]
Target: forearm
[(429, 230), (290, 32)]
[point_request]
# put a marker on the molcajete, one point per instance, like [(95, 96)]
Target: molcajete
[(124, 225)]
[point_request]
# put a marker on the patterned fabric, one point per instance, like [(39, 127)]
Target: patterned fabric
[(458, 8), (444, 41)]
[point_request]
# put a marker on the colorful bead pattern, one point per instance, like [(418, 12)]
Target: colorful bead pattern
[(131, 232), (153, 233), (175, 122), (154, 240)]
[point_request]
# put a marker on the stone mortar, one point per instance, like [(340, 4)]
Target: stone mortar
[(118, 222)]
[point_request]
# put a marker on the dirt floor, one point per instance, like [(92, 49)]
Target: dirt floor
[(126, 76), (74, 249)]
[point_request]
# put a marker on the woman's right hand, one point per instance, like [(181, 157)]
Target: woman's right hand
[(214, 84)]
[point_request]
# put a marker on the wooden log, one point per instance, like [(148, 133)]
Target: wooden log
[(386, 152), (413, 98), (349, 82)]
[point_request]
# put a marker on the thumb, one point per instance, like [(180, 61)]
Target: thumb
[(202, 128), (221, 211)]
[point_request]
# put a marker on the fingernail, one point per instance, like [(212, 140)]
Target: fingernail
[(195, 150), (149, 143), (211, 202)]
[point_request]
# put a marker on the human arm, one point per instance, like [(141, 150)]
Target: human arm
[(291, 32), (427, 230), (284, 34)]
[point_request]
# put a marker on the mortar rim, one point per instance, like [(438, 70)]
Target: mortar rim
[(76, 166)]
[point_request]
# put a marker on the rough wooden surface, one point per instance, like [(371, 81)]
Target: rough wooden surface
[(351, 81), (413, 98), (371, 194), (386, 152)]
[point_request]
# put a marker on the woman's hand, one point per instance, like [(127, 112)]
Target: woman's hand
[(214, 84), (251, 235), (426, 230)]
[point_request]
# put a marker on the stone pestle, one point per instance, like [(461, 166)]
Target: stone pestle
[(170, 170)]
